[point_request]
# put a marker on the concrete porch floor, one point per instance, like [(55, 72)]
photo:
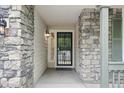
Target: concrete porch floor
[(53, 78)]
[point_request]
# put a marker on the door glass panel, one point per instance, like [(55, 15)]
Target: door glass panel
[(64, 48)]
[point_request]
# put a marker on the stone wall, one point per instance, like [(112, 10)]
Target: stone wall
[(3, 51), (16, 54), (89, 43)]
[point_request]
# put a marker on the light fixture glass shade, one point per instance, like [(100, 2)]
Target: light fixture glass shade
[(47, 35), (2, 30), (3, 24)]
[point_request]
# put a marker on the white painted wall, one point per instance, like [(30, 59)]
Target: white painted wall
[(76, 48), (40, 47)]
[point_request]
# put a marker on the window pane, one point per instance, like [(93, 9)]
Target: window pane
[(117, 40), (117, 50), (116, 28)]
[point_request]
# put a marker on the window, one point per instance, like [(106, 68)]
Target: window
[(116, 39)]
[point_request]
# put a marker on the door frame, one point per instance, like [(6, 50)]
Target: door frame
[(56, 48)]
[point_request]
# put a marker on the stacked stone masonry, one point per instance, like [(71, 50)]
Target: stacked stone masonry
[(16, 54), (89, 67), (89, 43)]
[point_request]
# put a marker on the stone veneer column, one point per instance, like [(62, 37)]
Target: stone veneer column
[(89, 45), (16, 54)]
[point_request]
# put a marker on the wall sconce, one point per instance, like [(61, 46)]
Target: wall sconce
[(3, 24), (47, 34)]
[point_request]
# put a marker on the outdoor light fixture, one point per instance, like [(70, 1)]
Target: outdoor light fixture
[(47, 34), (2, 25)]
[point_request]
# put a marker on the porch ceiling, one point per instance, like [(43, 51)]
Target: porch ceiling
[(61, 15)]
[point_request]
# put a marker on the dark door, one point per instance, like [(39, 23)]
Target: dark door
[(64, 48)]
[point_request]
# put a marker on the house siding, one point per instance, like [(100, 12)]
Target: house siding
[(40, 47)]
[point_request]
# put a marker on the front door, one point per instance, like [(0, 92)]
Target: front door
[(64, 48)]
